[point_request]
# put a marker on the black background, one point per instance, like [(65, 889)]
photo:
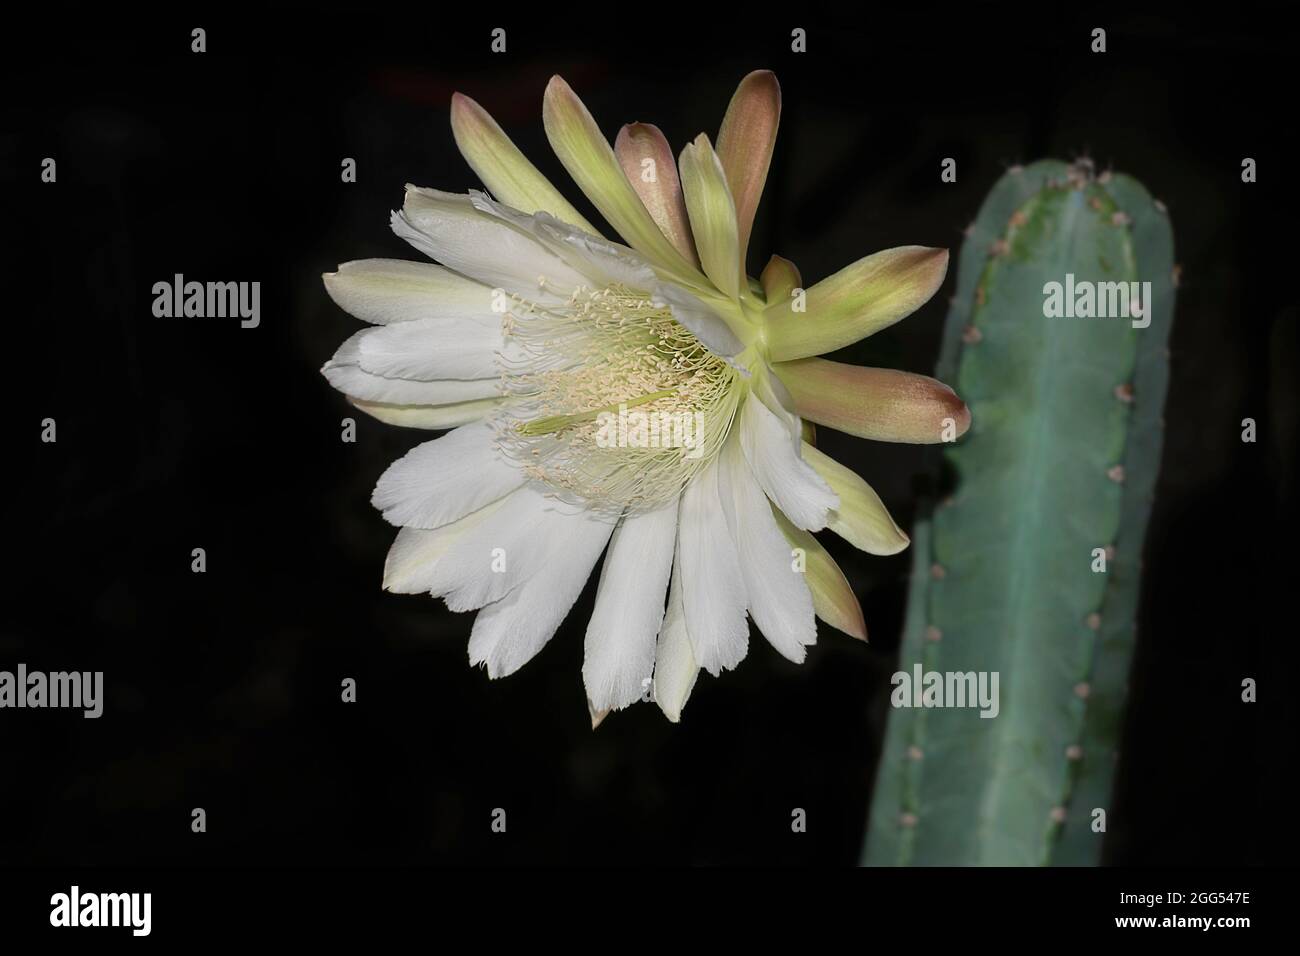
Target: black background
[(223, 688)]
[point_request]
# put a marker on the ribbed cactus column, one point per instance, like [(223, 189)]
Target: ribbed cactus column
[(1065, 376)]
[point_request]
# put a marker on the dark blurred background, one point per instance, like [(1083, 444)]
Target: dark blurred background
[(223, 688)]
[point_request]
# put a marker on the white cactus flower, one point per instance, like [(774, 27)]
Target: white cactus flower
[(642, 400)]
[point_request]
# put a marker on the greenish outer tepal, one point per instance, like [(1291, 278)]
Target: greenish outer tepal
[(1060, 461)]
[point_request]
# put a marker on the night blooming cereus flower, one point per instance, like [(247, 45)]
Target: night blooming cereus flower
[(642, 400)]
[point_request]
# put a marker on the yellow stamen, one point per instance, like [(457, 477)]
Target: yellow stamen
[(555, 423), (571, 364)]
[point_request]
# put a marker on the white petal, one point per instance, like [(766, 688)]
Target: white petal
[(603, 262), (792, 484), (445, 479), (776, 398), (356, 383), (779, 599), (433, 349), (432, 417), (344, 372), (675, 667), (620, 645), (381, 291), (527, 534), (713, 589), (697, 317), (447, 227), (415, 552), (510, 631)]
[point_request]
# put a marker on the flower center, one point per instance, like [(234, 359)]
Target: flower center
[(618, 405)]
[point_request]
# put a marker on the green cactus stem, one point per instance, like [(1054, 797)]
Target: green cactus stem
[(1053, 481)]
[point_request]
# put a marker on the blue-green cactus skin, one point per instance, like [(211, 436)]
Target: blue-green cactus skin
[(1060, 461)]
